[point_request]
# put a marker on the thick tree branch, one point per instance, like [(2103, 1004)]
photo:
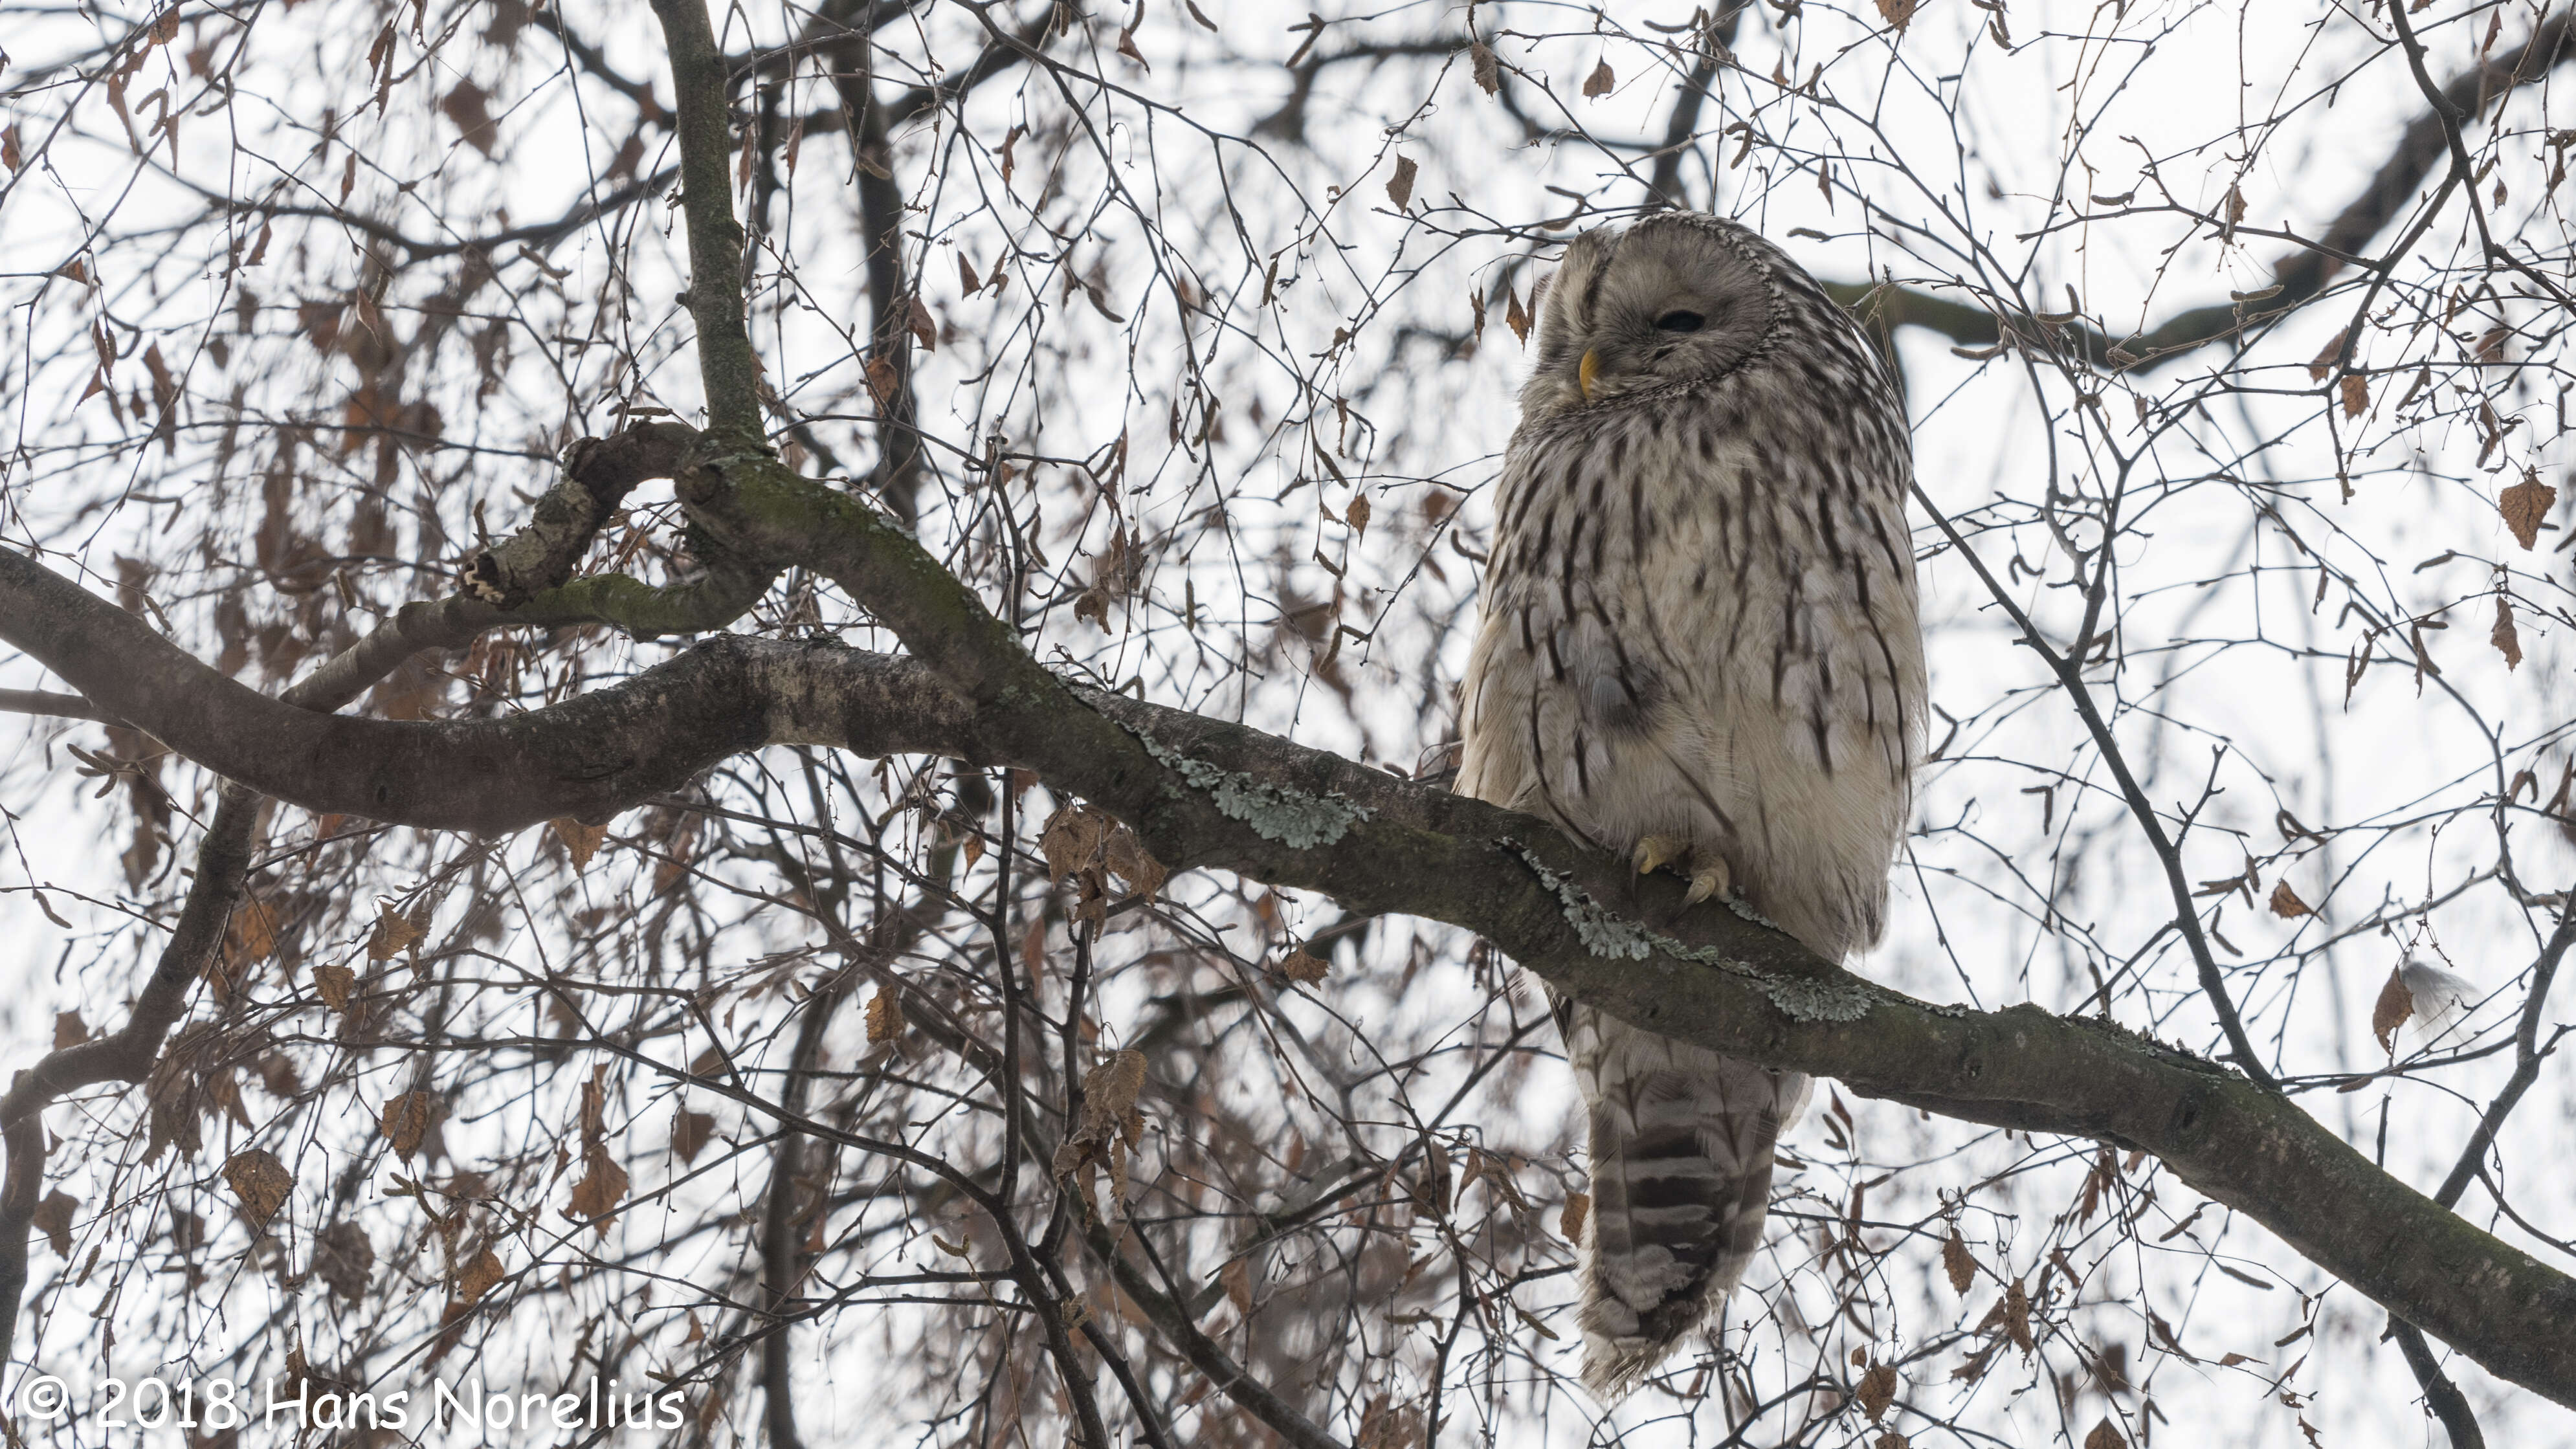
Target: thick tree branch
[(782, 1262), (46, 701), (759, 510), (726, 363), (1681, 130), (889, 301), (1231, 798)]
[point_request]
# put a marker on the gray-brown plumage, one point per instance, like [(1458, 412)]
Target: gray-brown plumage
[(1699, 648)]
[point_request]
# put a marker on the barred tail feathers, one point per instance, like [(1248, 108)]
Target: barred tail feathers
[(1681, 1158)]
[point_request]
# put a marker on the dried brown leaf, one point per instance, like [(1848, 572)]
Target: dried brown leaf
[(344, 1260), (1109, 1093), (261, 1182), (1956, 1262), (69, 1029), (394, 934), (1237, 1278), (2506, 638), (1515, 314), (1357, 515), (1073, 840), (594, 1106), (1123, 853), (1111, 1123), (469, 106), (580, 841), (250, 937), (1431, 1188), (1495, 1172), (2017, 1316), (2324, 361), (1301, 967), (1877, 1390), (1488, 70), (689, 1134), (885, 1016), (1569, 1223), (2525, 506), (2105, 1435), (2356, 394), (336, 983), (53, 1217), (477, 1277), (1399, 187), (2395, 1004), (1899, 14), (925, 330), (1600, 82), (2286, 902), (1093, 605), (224, 1091), (601, 1189), (405, 1121)]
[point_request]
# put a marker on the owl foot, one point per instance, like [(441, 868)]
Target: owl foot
[(1658, 850), (1708, 878), (1705, 869)]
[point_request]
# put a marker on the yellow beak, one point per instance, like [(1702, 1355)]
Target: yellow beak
[(1584, 374)]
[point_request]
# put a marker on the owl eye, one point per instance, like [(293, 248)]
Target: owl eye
[(1680, 322)]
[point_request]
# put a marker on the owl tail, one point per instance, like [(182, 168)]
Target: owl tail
[(1681, 1149)]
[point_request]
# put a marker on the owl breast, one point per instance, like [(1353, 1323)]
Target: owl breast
[(1700, 624)]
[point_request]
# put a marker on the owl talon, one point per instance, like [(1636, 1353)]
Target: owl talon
[(1711, 879), (1658, 850)]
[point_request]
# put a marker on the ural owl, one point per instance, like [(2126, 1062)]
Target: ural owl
[(1698, 649)]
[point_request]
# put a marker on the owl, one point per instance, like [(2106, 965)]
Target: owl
[(1698, 649)]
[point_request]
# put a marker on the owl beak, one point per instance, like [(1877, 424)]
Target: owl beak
[(1586, 372)]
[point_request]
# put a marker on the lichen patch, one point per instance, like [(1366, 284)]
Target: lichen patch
[(1607, 934), (1294, 818)]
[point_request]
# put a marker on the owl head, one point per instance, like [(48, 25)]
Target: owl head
[(1677, 298)]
